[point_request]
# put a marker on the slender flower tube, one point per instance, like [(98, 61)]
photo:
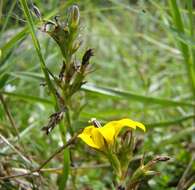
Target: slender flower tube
[(100, 138)]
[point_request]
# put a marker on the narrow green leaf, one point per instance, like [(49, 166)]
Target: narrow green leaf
[(182, 37), (119, 94), (66, 168), (176, 138), (29, 75), (159, 44), (37, 47), (13, 41), (191, 23), (8, 16), (134, 97), (172, 122), (3, 80), (32, 99), (179, 25)]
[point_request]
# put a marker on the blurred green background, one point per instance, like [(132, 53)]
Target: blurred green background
[(140, 71)]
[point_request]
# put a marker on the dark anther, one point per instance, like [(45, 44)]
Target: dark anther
[(86, 57), (95, 122)]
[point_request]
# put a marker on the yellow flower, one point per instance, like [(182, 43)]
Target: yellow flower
[(100, 137)]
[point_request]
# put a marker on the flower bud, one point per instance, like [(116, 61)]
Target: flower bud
[(74, 16)]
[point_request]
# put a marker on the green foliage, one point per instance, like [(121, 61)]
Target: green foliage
[(143, 68)]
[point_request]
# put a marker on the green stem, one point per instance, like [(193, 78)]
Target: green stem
[(66, 169), (66, 161), (38, 47)]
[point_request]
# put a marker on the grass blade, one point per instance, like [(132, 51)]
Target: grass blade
[(177, 20), (49, 83), (28, 98), (172, 122), (3, 80), (191, 23), (13, 41), (134, 97), (176, 138), (119, 94), (66, 168), (37, 47), (15, 149), (8, 16)]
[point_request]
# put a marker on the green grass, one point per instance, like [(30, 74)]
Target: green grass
[(143, 68)]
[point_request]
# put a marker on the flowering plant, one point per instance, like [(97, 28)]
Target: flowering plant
[(104, 139)]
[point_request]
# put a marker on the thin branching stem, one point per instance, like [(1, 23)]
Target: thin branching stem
[(38, 170), (9, 116)]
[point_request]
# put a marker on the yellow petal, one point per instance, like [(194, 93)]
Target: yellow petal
[(92, 137), (111, 130), (140, 125), (108, 131), (130, 123)]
